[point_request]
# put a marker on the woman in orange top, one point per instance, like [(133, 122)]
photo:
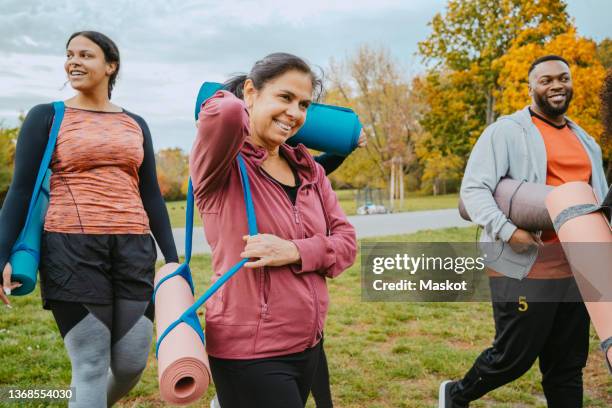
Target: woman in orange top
[(97, 253)]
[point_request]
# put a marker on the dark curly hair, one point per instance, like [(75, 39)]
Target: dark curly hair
[(606, 107)]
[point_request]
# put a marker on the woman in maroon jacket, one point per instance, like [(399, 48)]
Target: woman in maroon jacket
[(264, 326)]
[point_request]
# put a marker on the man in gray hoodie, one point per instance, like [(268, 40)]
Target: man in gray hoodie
[(538, 144)]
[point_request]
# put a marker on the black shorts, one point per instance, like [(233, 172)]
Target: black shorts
[(91, 268)]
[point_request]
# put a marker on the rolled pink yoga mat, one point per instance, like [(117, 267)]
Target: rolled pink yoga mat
[(522, 202), (591, 262), (183, 368)]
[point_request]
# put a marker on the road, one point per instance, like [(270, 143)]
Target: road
[(366, 226)]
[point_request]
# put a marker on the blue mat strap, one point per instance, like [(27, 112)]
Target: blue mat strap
[(218, 283), (248, 199), (58, 108), (190, 316), (189, 222), (183, 271)]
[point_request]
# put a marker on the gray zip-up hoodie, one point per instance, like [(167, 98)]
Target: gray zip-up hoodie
[(513, 147)]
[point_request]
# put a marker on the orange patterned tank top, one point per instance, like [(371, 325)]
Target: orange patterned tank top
[(94, 185)]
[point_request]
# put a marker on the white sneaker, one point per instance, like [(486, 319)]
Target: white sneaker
[(444, 395), (215, 403)]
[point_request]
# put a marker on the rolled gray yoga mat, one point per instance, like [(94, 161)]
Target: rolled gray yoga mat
[(522, 202)]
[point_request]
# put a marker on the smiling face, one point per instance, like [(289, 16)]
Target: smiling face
[(86, 65), (550, 87), (278, 109)]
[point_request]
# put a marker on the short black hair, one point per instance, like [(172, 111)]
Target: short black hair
[(545, 58)]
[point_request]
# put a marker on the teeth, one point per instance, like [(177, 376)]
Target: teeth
[(282, 126)]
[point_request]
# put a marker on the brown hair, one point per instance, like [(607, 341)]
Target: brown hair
[(270, 67)]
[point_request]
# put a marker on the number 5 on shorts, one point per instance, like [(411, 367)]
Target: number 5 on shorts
[(523, 306)]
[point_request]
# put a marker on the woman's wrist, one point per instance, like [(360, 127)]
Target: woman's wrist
[(294, 257)]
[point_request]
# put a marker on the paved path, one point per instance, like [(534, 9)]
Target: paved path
[(366, 226)]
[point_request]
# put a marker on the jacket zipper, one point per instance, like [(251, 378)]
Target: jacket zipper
[(265, 293), (302, 235), (296, 217)]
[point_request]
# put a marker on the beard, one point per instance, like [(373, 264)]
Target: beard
[(550, 110)]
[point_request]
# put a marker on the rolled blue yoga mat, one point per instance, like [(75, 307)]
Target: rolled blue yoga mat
[(207, 90), (25, 253), (328, 128), (25, 260)]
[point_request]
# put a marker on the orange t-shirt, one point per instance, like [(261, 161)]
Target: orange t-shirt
[(95, 182), (566, 161)]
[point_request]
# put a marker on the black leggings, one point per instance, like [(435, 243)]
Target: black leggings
[(321, 391), (275, 382)]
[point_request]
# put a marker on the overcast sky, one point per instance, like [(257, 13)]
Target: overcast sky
[(169, 47)]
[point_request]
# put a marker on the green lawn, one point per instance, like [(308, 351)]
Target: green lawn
[(380, 354), (176, 209)]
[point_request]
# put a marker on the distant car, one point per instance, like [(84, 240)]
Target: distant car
[(372, 209)]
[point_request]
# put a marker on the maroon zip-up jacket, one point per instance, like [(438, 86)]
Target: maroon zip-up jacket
[(269, 311)]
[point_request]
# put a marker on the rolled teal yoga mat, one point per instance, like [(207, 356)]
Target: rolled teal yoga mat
[(26, 257), (207, 90), (25, 253), (328, 128)]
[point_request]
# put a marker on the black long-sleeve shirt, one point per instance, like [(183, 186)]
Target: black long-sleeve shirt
[(330, 162)]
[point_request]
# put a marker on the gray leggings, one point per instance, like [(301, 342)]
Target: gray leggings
[(108, 346)]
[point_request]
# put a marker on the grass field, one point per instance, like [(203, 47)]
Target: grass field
[(176, 209), (388, 355)]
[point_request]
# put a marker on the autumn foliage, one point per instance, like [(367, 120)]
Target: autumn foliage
[(372, 84), (478, 54), (7, 153), (172, 173)]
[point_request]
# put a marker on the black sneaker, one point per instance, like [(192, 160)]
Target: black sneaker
[(444, 397)]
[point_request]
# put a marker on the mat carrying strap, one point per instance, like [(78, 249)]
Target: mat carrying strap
[(58, 117), (583, 209), (190, 316)]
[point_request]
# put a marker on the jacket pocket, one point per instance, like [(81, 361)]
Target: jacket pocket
[(491, 249), (512, 264)]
